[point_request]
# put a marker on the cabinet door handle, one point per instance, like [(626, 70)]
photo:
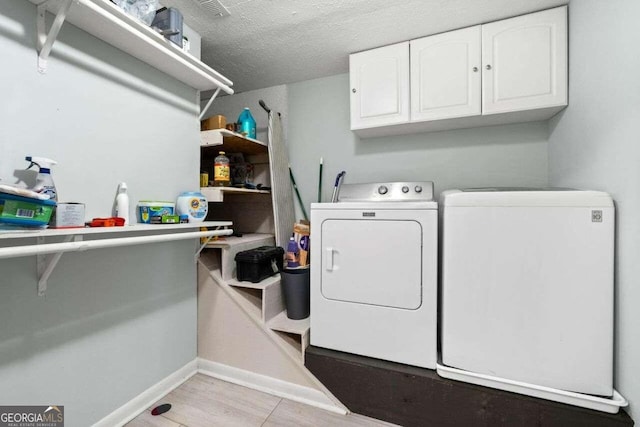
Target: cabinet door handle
[(488, 67), (475, 69), (329, 260), (353, 90)]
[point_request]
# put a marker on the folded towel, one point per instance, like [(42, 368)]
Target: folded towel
[(22, 192)]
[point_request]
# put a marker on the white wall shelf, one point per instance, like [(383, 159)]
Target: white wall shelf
[(51, 232), (216, 194), (73, 241), (231, 142), (248, 238), (109, 23)]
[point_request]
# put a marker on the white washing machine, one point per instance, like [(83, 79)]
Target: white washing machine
[(527, 289), (374, 272)]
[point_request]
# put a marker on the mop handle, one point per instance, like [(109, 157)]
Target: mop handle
[(295, 187)]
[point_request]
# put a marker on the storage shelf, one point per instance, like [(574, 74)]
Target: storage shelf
[(231, 142), (283, 324), (230, 241), (52, 232), (48, 254), (109, 23), (269, 281), (216, 194)]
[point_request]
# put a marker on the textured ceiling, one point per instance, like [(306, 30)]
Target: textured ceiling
[(265, 43)]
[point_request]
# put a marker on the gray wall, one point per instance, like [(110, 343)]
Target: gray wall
[(114, 321), (319, 127), (594, 145)]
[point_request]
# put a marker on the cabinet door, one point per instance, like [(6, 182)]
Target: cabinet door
[(380, 86), (445, 77), (525, 62)]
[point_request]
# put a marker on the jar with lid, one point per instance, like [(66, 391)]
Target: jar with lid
[(221, 171)]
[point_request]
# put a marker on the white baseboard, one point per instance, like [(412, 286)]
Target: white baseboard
[(141, 402), (276, 387)]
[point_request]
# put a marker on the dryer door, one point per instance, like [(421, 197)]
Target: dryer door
[(377, 262)]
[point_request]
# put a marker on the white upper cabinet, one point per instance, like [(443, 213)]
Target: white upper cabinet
[(525, 62), (509, 71), (380, 86), (445, 75)]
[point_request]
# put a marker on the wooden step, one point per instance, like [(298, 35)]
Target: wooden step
[(263, 300), (266, 295), (231, 245), (294, 333)]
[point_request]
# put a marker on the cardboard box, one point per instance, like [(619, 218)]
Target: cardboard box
[(215, 122), (68, 215)]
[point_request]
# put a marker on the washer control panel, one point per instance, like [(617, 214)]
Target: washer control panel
[(387, 191)]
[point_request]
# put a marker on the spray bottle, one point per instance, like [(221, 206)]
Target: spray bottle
[(44, 181)]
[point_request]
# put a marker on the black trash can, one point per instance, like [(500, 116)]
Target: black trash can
[(296, 291)]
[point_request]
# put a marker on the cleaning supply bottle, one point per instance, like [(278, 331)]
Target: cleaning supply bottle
[(44, 181), (221, 171), (247, 124), (122, 203), (293, 253)]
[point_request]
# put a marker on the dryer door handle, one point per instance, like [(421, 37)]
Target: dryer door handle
[(329, 260)]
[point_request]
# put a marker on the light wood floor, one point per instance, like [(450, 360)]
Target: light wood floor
[(203, 401)]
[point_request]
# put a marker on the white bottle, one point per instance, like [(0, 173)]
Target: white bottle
[(122, 203)]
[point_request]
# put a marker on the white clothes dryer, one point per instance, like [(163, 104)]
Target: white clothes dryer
[(374, 272)]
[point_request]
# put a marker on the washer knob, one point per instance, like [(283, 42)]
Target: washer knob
[(383, 189), (405, 189), (418, 189)]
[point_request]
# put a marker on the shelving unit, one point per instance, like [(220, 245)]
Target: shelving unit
[(73, 240), (213, 141), (263, 301), (216, 194), (109, 23), (232, 142), (253, 212)]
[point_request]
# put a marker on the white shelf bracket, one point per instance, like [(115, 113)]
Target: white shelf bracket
[(47, 263), (206, 107), (203, 245), (45, 41), (206, 242)]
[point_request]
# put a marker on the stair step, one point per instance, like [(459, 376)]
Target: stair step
[(282, 323), (269, 291), (231, 245), (231, 241), (269, 281)]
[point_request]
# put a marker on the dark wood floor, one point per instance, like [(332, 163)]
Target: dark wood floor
[(411, 396)]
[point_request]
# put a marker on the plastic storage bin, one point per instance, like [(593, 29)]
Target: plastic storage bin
[(169, 22), (150, 212), (24, 211), (257, 264)]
